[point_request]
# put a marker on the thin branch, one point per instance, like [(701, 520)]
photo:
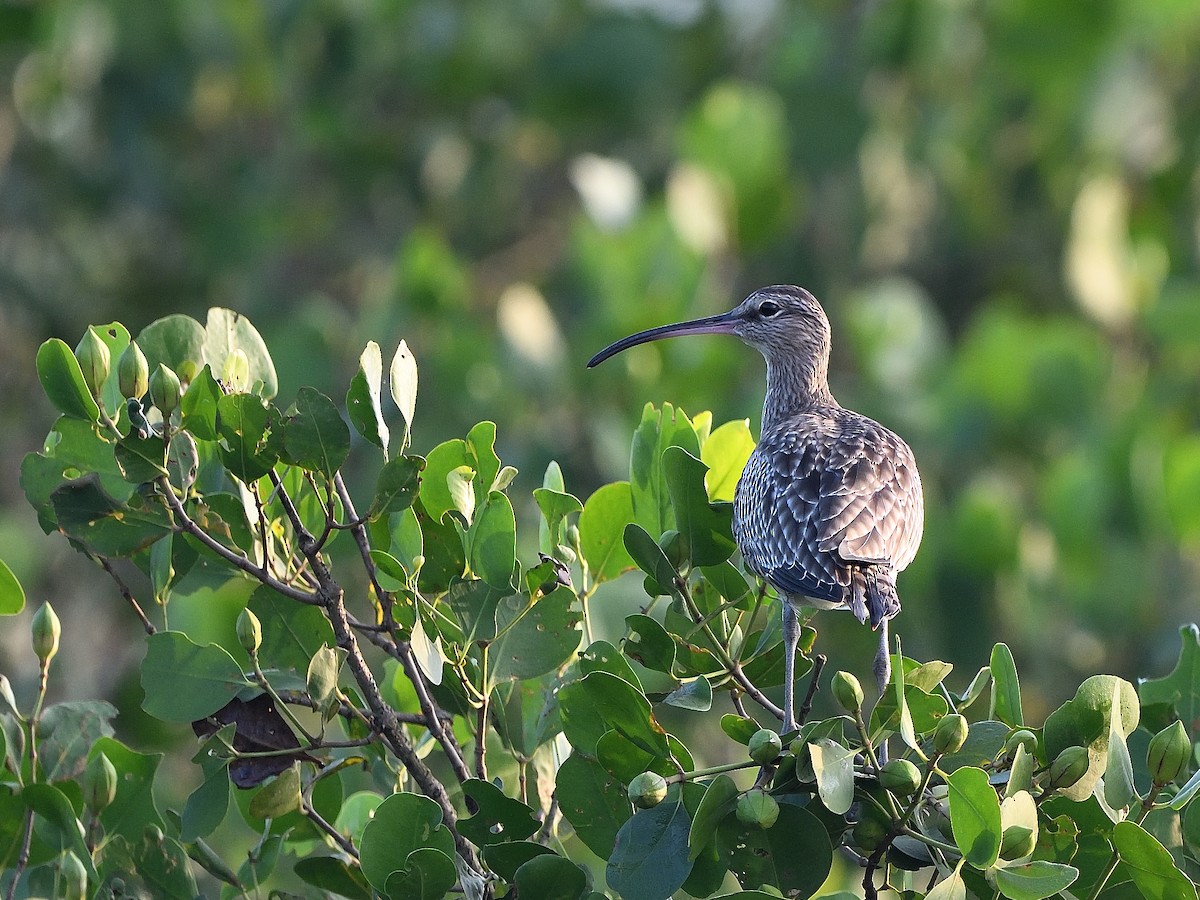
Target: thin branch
[(103, 562), (813, 686)]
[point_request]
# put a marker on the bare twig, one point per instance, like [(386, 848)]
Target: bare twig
[(813, 686), (103, 562)]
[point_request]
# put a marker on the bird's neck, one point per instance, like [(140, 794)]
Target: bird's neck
[(794, 387)]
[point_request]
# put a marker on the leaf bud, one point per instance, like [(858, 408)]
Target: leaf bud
[(951, 734), (165, 390), (133, 372), (757, 808), (847, 691), (673, 547), (99, 783), (647, 790), (1068, 767), (322, 678), (765, 746), (1021, 737), (1017, 842), (249, 631), (1168, 753), (94, 360), (72, 880), (900, 776), (45, 630)]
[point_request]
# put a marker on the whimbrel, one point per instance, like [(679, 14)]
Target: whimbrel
[(829, 508)]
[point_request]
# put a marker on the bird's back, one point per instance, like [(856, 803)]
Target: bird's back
[(829, 507)]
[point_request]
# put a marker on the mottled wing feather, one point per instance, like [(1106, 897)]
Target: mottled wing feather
[(825, 490)]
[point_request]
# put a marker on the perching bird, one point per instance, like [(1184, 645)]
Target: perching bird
[(829, 508)]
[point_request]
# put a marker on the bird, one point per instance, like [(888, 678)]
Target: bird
[(829, 508)]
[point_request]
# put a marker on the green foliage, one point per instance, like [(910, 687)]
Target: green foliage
[(426, 709)]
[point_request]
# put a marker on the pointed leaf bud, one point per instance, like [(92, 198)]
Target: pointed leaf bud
[(765, 746), (900, 776), (757, 808), (94, 359), (647, 790), (165, 390), (1017, 842), (1068, 767), (847, 691), (99, 783), (322, 679), (1169, 752), (133, 372), (951, 734), (46, 630), (249, 631), (72, 880)]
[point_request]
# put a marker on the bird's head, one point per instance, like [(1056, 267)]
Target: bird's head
[(781, 321)]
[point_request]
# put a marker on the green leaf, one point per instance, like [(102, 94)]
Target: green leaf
[(399, 481), (441, 461), (1034, 880), (291, 632), (52, 805), (141, 459), (1020, 774), (177, 342), (706, 527), (481, 448), (952, 887), (333, 875), (1119, 789), (720, 798), (601, 656), (975, 816), (1006, 688), (1181, 688), (363, 404), (183, 681), (505, 859), (497, 818), (984, 741), (644, 550), (925, 710), (725, 453), (12, 595), (601, 531), (227, 332), (402, 823), (739, 728), (249, 447), (694, 695), (601, 702), (592, 801), (492, 542), (1084, 721), (207, 805), (87, 514), (151, 867), (66, 733), (115, 337), (540, 641), (833, 766), (278, 797), (650, 859), (648, 643), (428, 874), (198, 406), (315, 437), (793, 856), (649, 495), (1150, 865), (555, 507), (62, 380), (550, 877), (402, 378)]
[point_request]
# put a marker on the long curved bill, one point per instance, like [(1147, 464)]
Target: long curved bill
[(723, 323)]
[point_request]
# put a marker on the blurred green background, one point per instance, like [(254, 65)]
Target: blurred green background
[(997, 202)]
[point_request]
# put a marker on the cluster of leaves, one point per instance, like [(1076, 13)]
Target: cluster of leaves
[(441, 719)]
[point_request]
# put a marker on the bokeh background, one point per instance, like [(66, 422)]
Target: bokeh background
[(998, 202)]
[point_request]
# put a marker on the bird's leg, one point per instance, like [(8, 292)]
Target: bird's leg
[(791, 637), (883, 676)]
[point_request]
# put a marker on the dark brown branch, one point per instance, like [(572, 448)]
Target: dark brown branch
[(103, 562), (813, 686)]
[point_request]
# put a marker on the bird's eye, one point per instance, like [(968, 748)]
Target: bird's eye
[(768, 308)]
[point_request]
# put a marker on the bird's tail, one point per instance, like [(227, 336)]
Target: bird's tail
[(874, 594)]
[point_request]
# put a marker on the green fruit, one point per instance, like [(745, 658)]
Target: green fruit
[(868, 834), (1169, 752), (847, 691), (1068, 767), (1022, 737), (94, 361), (765, 746), (647, 790), (900, 776), (45, 630), (99, 783), (133, 372), (165, 390), (1017, 842), (249, 631), (951, 734), (757, 808)]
